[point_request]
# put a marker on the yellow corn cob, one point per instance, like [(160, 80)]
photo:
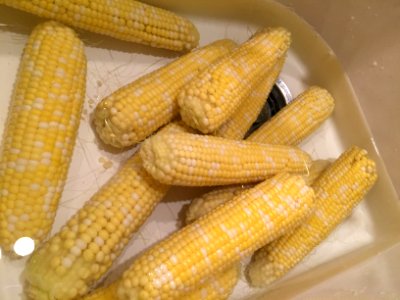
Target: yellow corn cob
[(136, 110), (209, 201), (216, 93), (75, 258), (242, 119), (208, 160), (217, 287), (297, 120), (127, 20), (337, 191), (40, 134), (188, 257)]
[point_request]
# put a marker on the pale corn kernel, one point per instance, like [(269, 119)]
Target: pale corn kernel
[(33, 176), (231, 78), (126, 117), (173, 165), (188, 245), (127, 20), (337, 191)]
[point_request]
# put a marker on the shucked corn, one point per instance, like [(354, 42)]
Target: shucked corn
[(75, 258), (208, 160), (289, 127), (136, 110), (40, 133), (127, 20), (209, 201), (216, 93), (187, 258), (242, 119), (337, 191)]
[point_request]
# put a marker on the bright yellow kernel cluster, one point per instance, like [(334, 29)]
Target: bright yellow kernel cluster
[(217, 287), (208, 160), (216, 93), (242, 119), (136, 110), (337, 191), (127, 20), (211, 200), (40, 132), (84, 249), (211, 244), (298, 120)]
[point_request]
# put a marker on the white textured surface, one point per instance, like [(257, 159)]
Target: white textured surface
[(112, 64)]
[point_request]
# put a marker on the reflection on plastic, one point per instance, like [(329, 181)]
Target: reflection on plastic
[(24, 246)]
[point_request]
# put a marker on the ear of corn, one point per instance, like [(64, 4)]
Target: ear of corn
[(127, 20), (240, 122), (136, 110), (83, 251), (209, 201), (216, 93), (40, 133), (217, 287), (209, 160), (190, 256), (297, 120), (337, 191)]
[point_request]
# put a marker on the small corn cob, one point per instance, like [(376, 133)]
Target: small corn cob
[(127, 20), (75, 258), (208, 160), (217, 287), (136, 110), (242, 119), (217, 92), (337, 191), (209, 201), (40, 134), (188, 257), (297, 120)]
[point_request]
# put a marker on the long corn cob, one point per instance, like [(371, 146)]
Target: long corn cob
[(208, 160), (242, 119), (136, 110), (191, 255), (209, 201), (40, 133), (127, 20), (216, 93), (75, 258), (338, 190), (297, 120)]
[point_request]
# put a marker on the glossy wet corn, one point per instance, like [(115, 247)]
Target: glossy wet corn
[(73, 260), (297, 120), (190, 256), (337, 191), (211, 200), (240, 122), (208, 160), (135, 111), (40, 132), (127, 20), (217, 92)]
